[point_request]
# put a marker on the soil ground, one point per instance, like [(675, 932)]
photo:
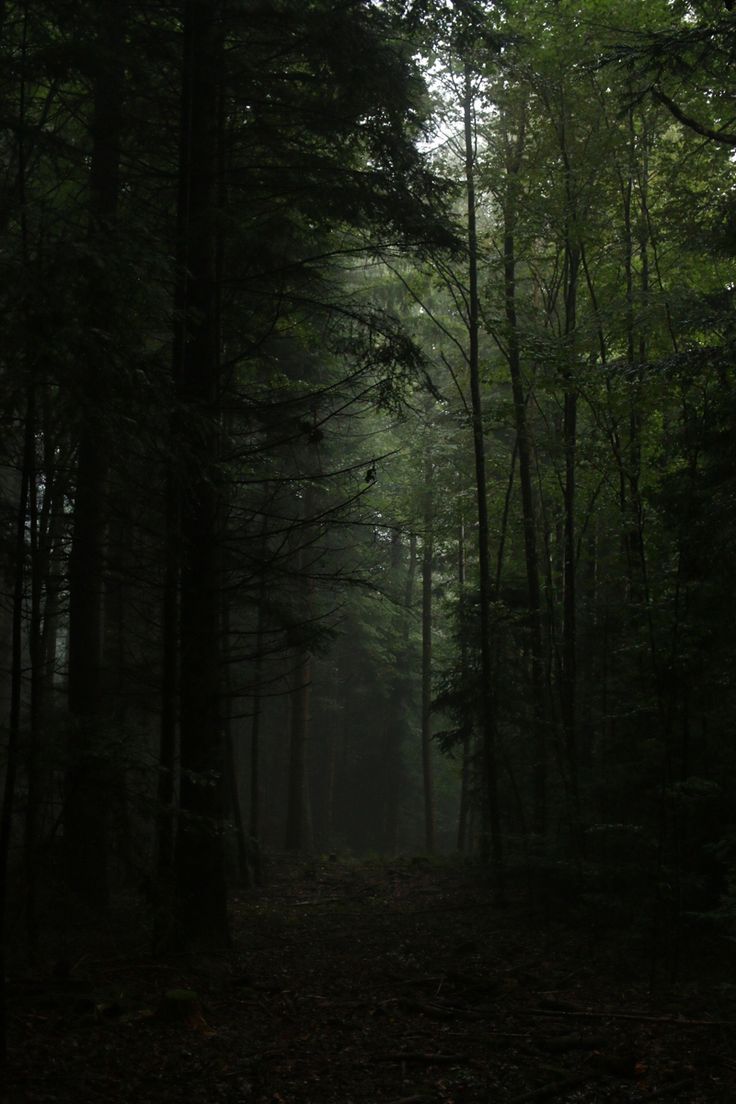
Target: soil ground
[(398, 982)]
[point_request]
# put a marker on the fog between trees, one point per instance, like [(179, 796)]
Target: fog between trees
[(367, 467)]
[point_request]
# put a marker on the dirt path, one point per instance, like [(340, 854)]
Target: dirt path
[(360, 983)]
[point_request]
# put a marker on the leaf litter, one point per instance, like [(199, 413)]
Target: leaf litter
[(392, 982)]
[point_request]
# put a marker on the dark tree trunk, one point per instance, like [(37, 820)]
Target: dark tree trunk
[(168, 725), (427, 568), (569, 677), (40, 563), (233, 804), (298, 816), (524, 447), (297, 822), (392, 725), (467, 734), (254, 819), (201, 898), (493, 846), (87, 804), (395, 726), (12, 755)]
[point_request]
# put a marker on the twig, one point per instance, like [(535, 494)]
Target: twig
[(441, 1011), (509, 1034), (641, 1017), (674, 1086), (552, 1089), (315, 901), (418, 1099), (428, 1059)]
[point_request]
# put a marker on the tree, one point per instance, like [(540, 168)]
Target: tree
[(201, 896), (88, 782)]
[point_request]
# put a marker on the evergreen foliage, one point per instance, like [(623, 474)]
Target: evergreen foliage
[(355, 355)]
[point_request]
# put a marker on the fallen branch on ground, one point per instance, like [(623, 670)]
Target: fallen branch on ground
[(641, 1017), (441, 1011), (553, 1088), (673, 1087), (428, 1059)]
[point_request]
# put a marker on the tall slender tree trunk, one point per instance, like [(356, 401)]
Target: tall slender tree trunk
[(467, 734), (25, 496), (493, 846), (12, 756), (568, 687), (168, 722), (201, 896), (39, 572), (298, 805), (254, 819), (427, 570), (86, 819), (393, 726), (524, 446), (232, 799), (297, 822)]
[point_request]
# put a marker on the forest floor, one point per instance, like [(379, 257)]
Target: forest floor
[(368, 982)]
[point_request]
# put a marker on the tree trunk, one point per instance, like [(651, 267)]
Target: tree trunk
[(467, 734), (427, 565), (298, 806), (493, 846), (568, 687), (297, 809), (39, 573), (524, 446), (395, 730), (168, 723), (392, 724), (201, 896), (87, 804), (254, 821), (12, 756)]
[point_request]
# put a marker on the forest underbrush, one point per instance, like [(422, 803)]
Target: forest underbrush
[(401, 981)]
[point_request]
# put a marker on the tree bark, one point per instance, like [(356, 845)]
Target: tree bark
[(493, 841), (254, 819), (427, 566), (524, 446), (297, 810), (393, 726), (40, 562), (168, 723), (568, 687), (467, 734), (298, 805), (12, 757), (201, 897), (86, 817)]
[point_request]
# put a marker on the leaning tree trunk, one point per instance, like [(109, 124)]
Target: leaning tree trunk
[(200, 915)]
